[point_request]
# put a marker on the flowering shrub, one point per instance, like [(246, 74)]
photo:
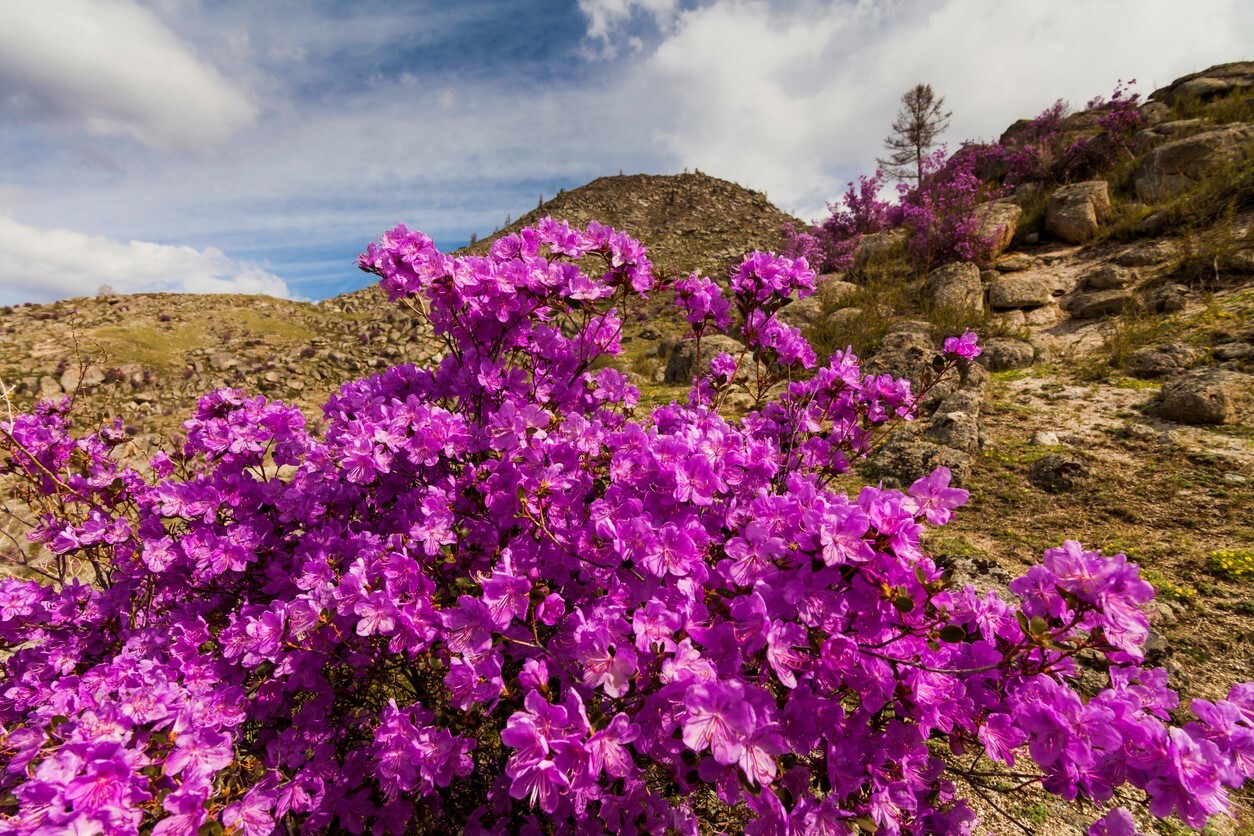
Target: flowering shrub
[(940, 213), (497, 596), (829, 246), (1042, 150)]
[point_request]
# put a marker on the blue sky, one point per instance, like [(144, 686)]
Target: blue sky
[(237, 146)]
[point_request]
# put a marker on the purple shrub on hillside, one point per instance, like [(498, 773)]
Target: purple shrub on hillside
[(829, 246), (940, 214)]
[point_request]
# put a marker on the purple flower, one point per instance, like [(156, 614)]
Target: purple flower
[(717, 718)]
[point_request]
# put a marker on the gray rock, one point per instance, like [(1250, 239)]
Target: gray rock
[(1167, 299), (802, 313), (1044, 438), (1206, 396), (906, 458), (1166, 131), (681, 366), (1043, 316), (1110, 277), (998, 221), (1176, 165), (1075, 212), (1057, 473), (837, 291), (1015, 262), (1146, 254), (1002, 353), (957, 287), (1032, 239), (1162, 360), (904, 353), (1099, 304), (1234, 351), (968, 400), (1212, 81), (49, 388), (1025, 291), (1242, 261), (957, 430), (878, 244)]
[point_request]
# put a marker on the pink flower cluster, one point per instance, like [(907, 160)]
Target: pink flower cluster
[(498, 596)]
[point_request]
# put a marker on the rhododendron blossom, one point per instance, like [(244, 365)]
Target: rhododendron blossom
[(499, 595)]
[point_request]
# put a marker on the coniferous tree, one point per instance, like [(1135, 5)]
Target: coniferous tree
[(920, 120)]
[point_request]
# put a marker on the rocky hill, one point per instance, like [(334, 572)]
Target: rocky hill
[(1114, 403)]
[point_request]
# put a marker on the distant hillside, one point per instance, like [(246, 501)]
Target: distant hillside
[(688, 221)]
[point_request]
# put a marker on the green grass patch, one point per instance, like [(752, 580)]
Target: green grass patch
[(1232, 564)]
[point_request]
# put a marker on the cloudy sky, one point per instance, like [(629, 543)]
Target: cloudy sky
[(237, 146)]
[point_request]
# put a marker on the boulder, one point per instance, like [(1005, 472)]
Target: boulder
[(957, 287), (1002, 353), (1099, 303), (956, 430), (906, 457), (681, 366), (802, 313), (1146, 254), (1015, 263), (1213, 81), (904, 353), (1076, 211), (1167, 299), (1206, 396), (1165, 132), (1057, 473), (1109, 277), (1025, 291), (837, 291), (998, 221), (49, 388), (1234, 351), (1176, 165), (878, 244), (1162, 360), (844, 317)]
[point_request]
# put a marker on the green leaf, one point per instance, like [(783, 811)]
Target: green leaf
[(1038, 626), (953, 633)]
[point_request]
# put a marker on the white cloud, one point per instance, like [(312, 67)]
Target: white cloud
[(45, 264), (115, 68), (606, 17)]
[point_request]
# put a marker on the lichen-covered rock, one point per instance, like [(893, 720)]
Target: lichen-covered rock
[(1110, 277), (878, 244), (1075, 212), (1167, 299), (1206, 396), (681, 365), (802, 313), (906, 457), (998, 221), (957, 287), (1057, 473), (956, 430), (1015, 263), (1162, 360), (1100, 303), (1002, 353), (1146, 254), (1176, 165), (1022, 291)]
